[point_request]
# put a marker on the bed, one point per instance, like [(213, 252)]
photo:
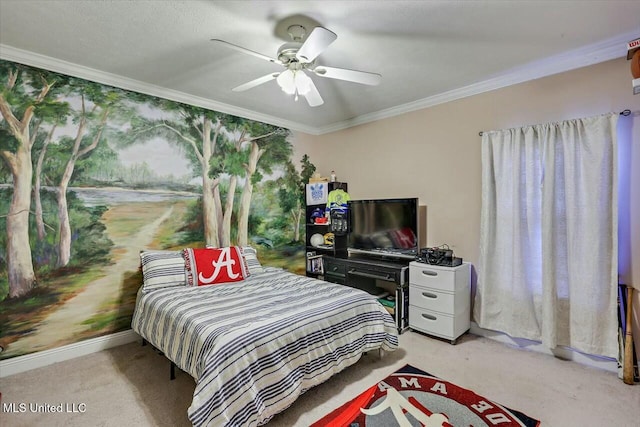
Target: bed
[(255, 345)]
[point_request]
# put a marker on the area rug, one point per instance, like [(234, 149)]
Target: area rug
[(412, 397)]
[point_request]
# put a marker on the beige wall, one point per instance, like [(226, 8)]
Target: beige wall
[(434, 153)]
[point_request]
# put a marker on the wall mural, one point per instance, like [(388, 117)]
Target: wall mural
[(92, 174)]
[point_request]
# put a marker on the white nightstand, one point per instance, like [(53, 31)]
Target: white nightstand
[(440, 299)]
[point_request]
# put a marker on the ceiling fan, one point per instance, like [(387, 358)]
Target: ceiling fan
[(299, 58)]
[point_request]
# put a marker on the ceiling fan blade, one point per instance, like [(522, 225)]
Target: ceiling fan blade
[(362, 77), (256, 82), (247, 51), (313, 96), (319, 39)]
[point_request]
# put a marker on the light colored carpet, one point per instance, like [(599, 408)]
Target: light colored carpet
[(129, 386)]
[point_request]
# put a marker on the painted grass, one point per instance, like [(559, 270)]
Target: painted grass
[(124, 220), (20, 315), (115, 315), (292, 260), (168, 235)]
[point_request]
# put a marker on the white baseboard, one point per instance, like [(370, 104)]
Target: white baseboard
[(564, 353), (18, 364)]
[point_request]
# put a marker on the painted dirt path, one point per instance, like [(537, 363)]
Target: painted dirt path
[(61, 326)]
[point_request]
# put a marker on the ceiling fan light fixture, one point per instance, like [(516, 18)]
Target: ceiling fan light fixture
[(303, 82), (294, 82), (286, 81)]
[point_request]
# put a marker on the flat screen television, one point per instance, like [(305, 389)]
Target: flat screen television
[(384, 227)]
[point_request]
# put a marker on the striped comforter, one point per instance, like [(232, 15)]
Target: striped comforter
[(255, 346)]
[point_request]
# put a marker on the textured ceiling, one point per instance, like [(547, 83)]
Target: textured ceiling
[(426, 51)]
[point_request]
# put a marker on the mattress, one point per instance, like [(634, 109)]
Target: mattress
[(254, 346)]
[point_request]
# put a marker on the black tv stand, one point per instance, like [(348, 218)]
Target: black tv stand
[(365, 272), (400, 257)]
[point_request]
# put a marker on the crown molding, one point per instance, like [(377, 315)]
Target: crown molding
[(59, 66), (606, 50)]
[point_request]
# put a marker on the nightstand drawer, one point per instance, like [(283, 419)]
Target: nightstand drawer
[(432, 299), (427, 276), (438, 324), (437, 277), (431, 322)]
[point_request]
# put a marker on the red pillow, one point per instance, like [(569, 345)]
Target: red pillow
[(212, 266)]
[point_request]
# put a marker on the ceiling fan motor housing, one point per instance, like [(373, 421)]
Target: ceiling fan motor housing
[(287, 52)]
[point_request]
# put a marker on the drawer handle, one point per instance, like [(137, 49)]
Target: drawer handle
[(386, 277), (430, 273), (429, 316), (429, 295), (334, 269)]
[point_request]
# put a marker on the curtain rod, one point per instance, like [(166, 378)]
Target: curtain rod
[(626, 112)]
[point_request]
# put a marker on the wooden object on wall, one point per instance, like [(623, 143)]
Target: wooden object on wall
[(635, 65), (627, 368)]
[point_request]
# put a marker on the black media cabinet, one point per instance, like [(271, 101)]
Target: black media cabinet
[(364, 273)]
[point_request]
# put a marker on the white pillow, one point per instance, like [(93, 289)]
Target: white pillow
[(251, 257), (162, 269)]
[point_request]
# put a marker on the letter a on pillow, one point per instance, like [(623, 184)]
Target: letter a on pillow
[(212, 266)]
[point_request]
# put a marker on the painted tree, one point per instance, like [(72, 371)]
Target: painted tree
[(96, 103), (199, 134), (54, 114), (291, 193), (5, 173), (267, 146), (37, 184), (218, 145), (22, 94), (232, 164), (289, 198), (306, 172), (243, 136), (102, 166)]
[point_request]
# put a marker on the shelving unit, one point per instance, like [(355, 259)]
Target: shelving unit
[(315, 253)]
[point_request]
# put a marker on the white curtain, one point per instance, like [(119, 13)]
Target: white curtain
[(548, 268)]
